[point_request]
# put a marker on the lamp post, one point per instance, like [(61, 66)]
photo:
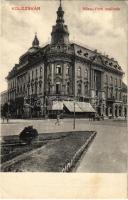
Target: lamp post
[(74, 118)]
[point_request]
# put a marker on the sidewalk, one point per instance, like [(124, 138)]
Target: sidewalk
[(108, 153)]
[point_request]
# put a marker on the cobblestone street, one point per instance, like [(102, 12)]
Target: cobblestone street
[(107, 153)]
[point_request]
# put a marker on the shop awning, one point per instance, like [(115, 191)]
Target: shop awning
[(56, 105), (70, 106), (86, 107), (79, 106)]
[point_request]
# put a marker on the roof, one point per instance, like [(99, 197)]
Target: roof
[(96, 57)]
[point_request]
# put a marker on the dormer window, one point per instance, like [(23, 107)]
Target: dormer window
[(79, 51), (85, 54)]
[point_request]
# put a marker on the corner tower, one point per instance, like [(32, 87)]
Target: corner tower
[(60, 34)]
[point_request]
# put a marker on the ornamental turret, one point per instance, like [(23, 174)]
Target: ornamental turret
[(60, 34), (35, 42)]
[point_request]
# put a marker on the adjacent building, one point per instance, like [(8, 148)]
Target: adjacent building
[(62, 71)]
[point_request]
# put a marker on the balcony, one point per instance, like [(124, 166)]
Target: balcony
[(111, 99)]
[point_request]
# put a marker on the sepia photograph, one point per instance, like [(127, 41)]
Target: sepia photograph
[(64, 86), (65, 104)]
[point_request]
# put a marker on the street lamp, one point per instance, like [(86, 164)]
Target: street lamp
[(74, 118)]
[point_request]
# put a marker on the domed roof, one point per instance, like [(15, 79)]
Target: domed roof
[(35, 47)]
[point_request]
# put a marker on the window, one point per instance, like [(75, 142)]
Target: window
[(120, 95), (120, 82), (79, 71), (68, 88), (79, 89), (86, 73), (116, 82), (58, 69), (111, 80), (86, 89), (32, 89), (111, 92), (35, 88), (29, 78), (36, 72), (116, 94), (48, 87), (32, 74), (40, 87), (58, 88), (40, 69), (67, 70)]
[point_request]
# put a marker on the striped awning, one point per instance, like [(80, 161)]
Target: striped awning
[(86, 107), (70, 106), (79, 106)]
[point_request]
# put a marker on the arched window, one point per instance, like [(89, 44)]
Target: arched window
[(86, 73), (58, 69), (79, 71)]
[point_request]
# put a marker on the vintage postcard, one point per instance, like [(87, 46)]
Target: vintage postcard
[(63, 99)]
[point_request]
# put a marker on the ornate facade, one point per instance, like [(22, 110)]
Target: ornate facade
[(61, 71)]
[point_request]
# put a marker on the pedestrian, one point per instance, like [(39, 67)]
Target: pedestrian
[(7, 117), (57, 120)]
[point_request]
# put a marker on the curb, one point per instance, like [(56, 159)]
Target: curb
[(68, 167)]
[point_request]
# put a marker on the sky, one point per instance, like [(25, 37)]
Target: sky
[(98, 29)]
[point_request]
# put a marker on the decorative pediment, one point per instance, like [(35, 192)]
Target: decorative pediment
[(58, 79), (98, 60)]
